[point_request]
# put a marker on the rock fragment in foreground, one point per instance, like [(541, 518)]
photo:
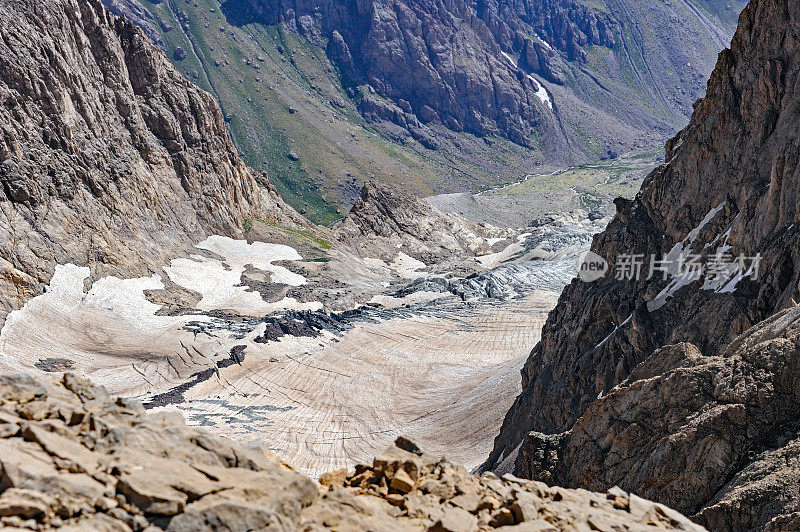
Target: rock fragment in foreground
[(408, 489), (72, 457)]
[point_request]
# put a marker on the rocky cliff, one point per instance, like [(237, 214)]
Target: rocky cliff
[(74, 458), (385, 220), (109, 157), (647, 369), (480, 67), (415, 62)]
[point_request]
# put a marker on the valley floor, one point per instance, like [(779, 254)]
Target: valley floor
[(432, 356)]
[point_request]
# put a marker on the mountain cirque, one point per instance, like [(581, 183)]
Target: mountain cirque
[(325, 343), (258, 336), (324, 361), (74, 458), (710, 361)]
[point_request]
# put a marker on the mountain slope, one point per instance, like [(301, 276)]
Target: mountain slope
[(729, 187), (109, 157), (554, 82), (289, 115)]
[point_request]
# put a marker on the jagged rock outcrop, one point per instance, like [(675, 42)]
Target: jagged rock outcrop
[(571, 26), (386, 219), (108, 156), (429, 493), (139, 15), (729, 187), (73, 458), (714, 436)]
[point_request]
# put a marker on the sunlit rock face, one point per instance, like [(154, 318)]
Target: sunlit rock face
[(126, 469), (527, 71)]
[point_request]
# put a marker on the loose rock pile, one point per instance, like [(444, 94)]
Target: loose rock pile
[(73, 458), (408, 489)]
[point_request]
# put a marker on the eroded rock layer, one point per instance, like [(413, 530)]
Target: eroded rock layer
[(108, 156)]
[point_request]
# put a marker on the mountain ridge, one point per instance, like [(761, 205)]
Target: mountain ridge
[(118, 161)]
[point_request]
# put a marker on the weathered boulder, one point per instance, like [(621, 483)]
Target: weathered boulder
[(445, 497)]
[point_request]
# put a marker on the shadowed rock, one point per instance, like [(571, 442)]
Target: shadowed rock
[(681, 390)]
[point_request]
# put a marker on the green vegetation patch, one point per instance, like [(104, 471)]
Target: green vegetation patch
[(300, 234)]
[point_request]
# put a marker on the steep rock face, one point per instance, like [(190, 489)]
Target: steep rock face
[(571, 80), (472, 66), (714, 436), (108, 156), (73, 457), (437, 56), (729, 185), (566, 25)]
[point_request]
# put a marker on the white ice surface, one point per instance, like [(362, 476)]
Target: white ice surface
[(509, 59), (541, 92), (64, 320)]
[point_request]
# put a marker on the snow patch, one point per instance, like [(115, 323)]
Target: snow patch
[(679, 251), (509, 59), (607, 338), (407, 266), (403, 265), (674, 285), (219, 282), (493, 260), (541, 92), (544, 43), (390, 302), (67, 321)]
